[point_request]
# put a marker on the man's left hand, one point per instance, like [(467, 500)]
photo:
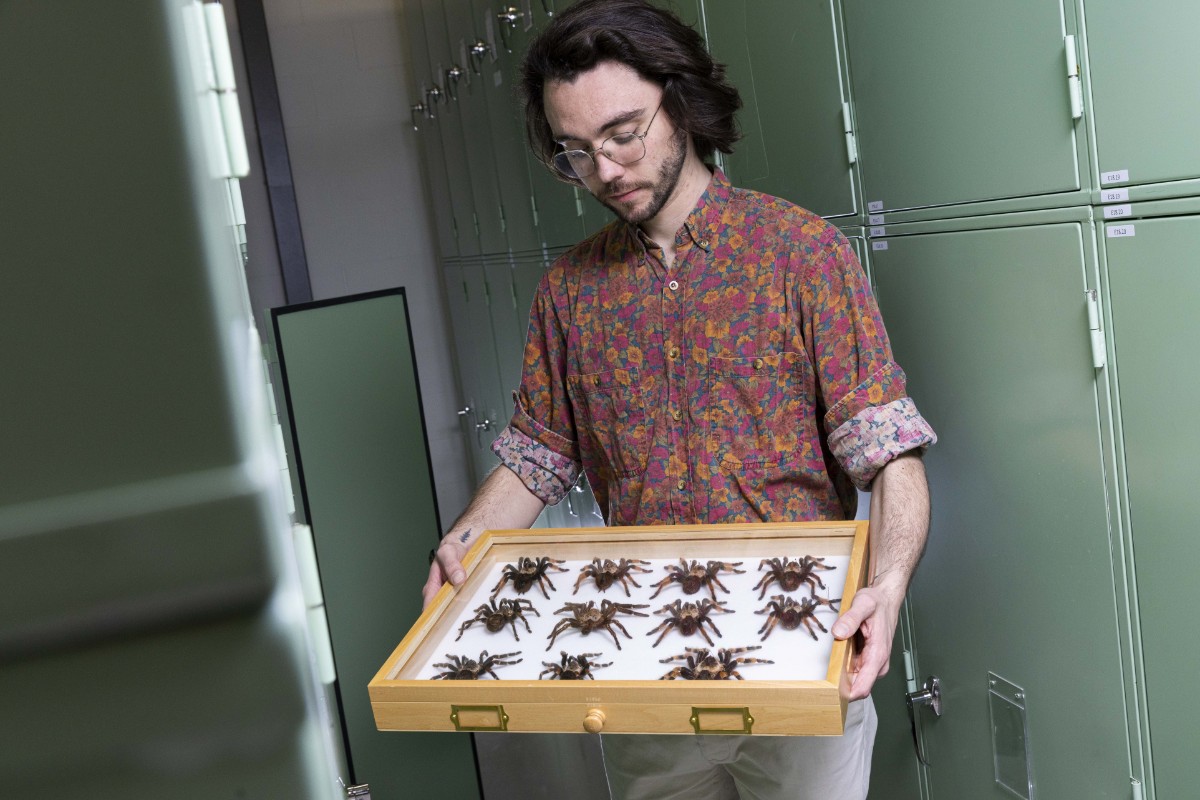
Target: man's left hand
[(873, 615)]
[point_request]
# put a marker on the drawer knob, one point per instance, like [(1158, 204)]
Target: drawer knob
[(594, 721)]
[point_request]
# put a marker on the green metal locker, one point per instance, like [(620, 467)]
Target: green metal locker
[(427, 132), (1014, 605), (500, 23), (962, 102), (1144, 70), (485, 410), (1153, 276), (361, 453), (465, 45), (786, 58)]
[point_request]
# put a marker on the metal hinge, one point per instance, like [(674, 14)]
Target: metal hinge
[(1137, 789), (578, 203), (1099, 358), (475, 220), (360, 791), (208, 38), (503, 221), (848, 127), (1073, 84), (533, 207), (910, 673)]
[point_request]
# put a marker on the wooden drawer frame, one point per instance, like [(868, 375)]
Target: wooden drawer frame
[(809, 707)]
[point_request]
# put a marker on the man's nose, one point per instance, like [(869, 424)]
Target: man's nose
[(606, 169)]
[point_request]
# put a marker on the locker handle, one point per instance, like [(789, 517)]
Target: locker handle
[(418, 108), (508, 20), (546, 8), (453, 75), (930, 696), (477, 51)]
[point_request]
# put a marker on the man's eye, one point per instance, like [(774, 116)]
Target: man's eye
[(624, 138)]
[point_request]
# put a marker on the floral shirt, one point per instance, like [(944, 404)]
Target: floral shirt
[(753, 381)]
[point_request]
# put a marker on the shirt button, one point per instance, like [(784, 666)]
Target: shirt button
[(673, 352), (673, 285), (595, 380), (758, 363), (682, 484), (677, 415), (704, 243)]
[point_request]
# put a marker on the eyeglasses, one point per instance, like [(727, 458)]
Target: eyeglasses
[(620, 148)]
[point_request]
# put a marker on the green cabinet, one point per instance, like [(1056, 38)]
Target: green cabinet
[(1145, 85), (1153, 281), (990, 324), (784, 57), (961, 102)]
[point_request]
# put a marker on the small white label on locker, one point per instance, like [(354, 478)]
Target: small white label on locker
[(878, 231), (1114, 196), (875, 205), (875, 219), (1118, 212), (879, 245), (498, 77), (1119, 231), (1116, 176)]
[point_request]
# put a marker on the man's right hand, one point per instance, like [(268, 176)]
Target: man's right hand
[(447, 564)]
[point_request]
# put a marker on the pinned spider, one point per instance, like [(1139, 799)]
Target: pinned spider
[(462, 668), (587, 618), (693, 577), (688, 618), (787, 612), (572, 668), (609, 572), (495, 617), (526, 573), (791, 574), (704, 666)]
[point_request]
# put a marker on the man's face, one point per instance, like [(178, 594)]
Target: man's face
[(609, 99)]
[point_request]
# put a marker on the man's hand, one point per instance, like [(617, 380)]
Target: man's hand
[(447, 565), (873, 615)]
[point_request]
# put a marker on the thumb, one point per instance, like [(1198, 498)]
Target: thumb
[(850, 621)]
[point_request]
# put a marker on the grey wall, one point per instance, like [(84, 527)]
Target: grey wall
[(342, 76)]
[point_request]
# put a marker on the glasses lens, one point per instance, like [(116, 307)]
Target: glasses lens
[(574, 164), (625, 148)]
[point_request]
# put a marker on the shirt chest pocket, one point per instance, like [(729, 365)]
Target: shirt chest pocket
[(614, 405), (760, 409)]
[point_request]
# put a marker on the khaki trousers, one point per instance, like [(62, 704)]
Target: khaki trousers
[(650, 767)]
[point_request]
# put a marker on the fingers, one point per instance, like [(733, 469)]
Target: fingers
[(432, 585), (851, 620), (446, 565), (871, 664)]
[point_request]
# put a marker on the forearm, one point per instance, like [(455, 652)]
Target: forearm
[(502, 501), (899, 523)]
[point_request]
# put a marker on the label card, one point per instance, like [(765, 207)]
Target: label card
[(1114, 196), (1116, 176), (875, 219), (878, 231), (875, 205), (1118, 212), (882, 245), (1120, 231)]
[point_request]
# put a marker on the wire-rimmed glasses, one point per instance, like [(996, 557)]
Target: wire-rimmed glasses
[(620, 148)]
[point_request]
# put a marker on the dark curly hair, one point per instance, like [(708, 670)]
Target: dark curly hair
[(653, 42)]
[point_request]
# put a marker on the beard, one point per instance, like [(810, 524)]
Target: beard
[(660, 190)]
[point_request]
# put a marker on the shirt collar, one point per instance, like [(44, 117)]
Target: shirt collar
[(702, 224)]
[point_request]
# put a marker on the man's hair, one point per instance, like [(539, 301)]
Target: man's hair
[(654, 43)]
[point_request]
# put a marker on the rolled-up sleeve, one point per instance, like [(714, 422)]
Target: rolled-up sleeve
[(540, 443), (869, 417)]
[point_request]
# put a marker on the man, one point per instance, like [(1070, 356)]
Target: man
[(713, 355)]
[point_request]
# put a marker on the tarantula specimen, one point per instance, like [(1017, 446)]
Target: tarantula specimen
[(688, 618), (572, 668), (787, 612), (585, 618), (704, 666), (791, 574), (462, 668), (693, 577), (608, 572), (495, 617), (526, 573)]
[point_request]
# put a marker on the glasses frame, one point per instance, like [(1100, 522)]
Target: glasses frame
[(591, 152)]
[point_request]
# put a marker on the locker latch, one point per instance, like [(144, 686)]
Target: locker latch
[(1073, 85), (1099, 357)]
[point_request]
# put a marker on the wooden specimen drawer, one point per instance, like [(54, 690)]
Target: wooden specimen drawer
[(762, 599)]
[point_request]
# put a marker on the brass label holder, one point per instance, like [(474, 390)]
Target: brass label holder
[(479, 718), (739, 719)]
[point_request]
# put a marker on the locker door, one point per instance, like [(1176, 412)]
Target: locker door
[(1145, 78), (429, 135), (1154, 280), (991, 329), (474, 344), (465, 45), (502, 23), (783, 56), (958, 102), (442, 119), (559, 222)]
